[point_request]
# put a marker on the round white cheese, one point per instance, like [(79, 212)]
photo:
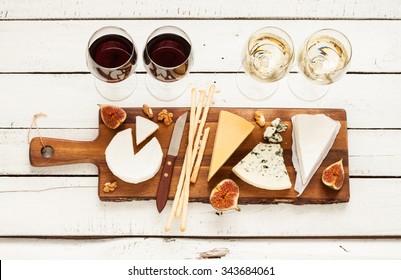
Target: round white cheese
[(132, 168)]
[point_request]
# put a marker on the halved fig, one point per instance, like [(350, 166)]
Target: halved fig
[(112, 116), (225, 196), (333, 176)]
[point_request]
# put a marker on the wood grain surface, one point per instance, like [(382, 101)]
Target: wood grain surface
[(67, 152)]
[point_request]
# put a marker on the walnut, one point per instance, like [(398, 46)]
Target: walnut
[(109, 187), (259, 118), (162, 114), (147, 110), (165, 116)]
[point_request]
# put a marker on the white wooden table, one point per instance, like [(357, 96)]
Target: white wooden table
[(55, 212)]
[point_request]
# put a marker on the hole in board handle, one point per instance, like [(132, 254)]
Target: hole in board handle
[(47, 152)]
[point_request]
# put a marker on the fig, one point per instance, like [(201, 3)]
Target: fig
[(112, 115), (333, 175), (225, 196)]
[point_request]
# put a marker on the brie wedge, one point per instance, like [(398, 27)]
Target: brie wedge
[(264, 168), (312, 138), (130, 167), (144, 128)]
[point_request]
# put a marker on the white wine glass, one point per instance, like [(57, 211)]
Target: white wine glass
[(266, 58), (323, 59)]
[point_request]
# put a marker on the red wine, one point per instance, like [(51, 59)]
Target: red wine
[(166, 57), (114, 55)]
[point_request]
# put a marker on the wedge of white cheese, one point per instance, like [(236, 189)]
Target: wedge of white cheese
[(120, 149), (264, 168), (312, 138), (144, 128), (130, 167)]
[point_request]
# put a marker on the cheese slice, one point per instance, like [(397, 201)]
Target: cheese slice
[(144, 128), (130, 167), (312, 136), (231, 132), (120, 149), (264, 168)]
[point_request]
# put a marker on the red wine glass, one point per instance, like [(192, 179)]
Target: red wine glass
[(112, 57), (167, 58)]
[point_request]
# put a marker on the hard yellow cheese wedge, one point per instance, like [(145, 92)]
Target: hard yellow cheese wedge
[(231, 132)]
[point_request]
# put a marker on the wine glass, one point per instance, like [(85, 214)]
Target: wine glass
[(266, 58), (167, 58), (111, 57), (323, 59)]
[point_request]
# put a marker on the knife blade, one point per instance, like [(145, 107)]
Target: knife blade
[(168, 166)]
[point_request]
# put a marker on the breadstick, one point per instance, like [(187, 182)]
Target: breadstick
[(187, 161), (181, 198), (176, 196), (199, 107), (192, 112), (188, 166), (200, 155), (203, 121), (185, 209), (187, 180), (192, 159)]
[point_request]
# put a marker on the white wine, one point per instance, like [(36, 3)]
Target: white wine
[(323, 60), (268, 57)]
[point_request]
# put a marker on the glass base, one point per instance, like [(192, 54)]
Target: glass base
[(304, 89), (117, 91), (253, 89), (166, 91)]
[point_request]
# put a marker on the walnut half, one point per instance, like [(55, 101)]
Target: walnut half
[(147, 110), (109, 187), (165, 116), (259, 118)]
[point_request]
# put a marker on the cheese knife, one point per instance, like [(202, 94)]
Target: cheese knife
[(168, 166)]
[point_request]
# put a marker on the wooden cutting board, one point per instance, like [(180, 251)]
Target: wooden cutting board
[(69, 152)]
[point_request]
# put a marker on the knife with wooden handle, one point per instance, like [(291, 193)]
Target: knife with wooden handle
[(168, 166)]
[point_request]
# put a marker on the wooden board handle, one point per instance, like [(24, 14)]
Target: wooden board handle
[(64, 152)]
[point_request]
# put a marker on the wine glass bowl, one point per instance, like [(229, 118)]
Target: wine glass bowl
[(112, 58), (167, 58), (323, 59), (266, 58)]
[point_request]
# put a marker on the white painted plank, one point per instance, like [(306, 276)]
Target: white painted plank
[(374, 210), (192, 9), (366, 159), (182, 248), (371, 101), (59, 46), (15, 148), (43, 184), (375, 152)]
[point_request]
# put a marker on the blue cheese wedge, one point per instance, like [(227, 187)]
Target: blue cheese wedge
[(264, 168), (276, 122), (276, 138), (272, 133), (281, 127), (270, 130)]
